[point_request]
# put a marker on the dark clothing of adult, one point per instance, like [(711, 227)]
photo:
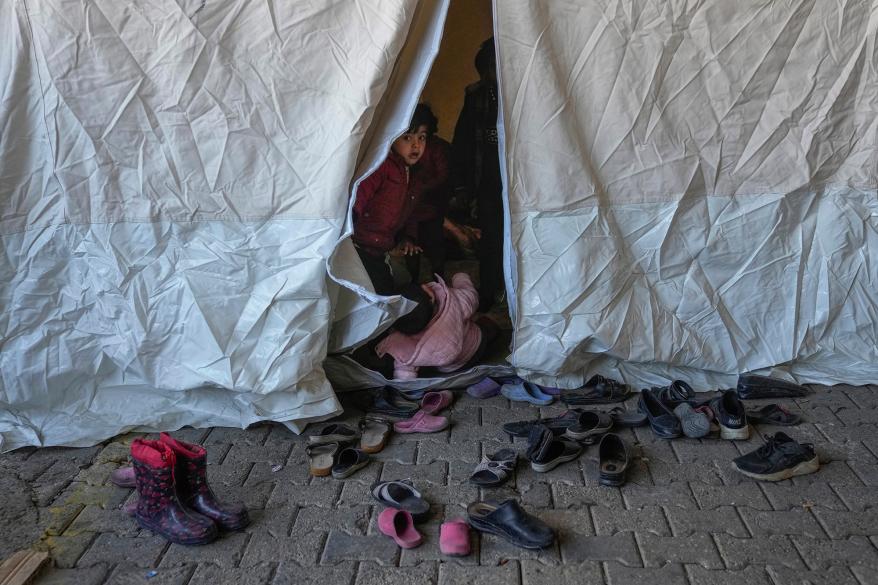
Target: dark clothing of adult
[(434, 193), (477, 173)]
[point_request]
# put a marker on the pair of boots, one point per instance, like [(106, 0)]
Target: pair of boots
[(174, 499)]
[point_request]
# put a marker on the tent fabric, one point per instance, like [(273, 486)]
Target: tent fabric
[(174, 176), (691, 188)]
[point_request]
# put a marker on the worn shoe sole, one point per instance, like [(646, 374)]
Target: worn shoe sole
[(731, 434), (491, 529), (803, 468), (350, 470), (544, 467)]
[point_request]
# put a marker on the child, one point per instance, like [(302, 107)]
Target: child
[(450, 341), (385, 201)]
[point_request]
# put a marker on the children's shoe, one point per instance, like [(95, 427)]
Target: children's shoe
[(435, 402), (399, 525), (486, 388), (454, 538), (779, 458)]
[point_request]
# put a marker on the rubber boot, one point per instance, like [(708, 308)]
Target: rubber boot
[(158, 507), (194, 491)]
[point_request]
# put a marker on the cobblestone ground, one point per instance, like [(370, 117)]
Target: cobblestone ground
[(685, 517)]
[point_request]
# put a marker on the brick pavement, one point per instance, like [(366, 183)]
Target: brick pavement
[(684, 517)]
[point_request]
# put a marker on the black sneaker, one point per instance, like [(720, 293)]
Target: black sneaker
[(731, 416), (779, 458)]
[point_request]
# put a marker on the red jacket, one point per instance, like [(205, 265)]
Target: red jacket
[(433, 186), (385, 200)]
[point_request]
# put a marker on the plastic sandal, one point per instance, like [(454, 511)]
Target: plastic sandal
[(434, 402), (375, 431), (402, 495), (399, 525), (494, 469), (421, 423), (321, 458), (598, 390), (484, 389), (349, 461), (526, 392), (454, 538), (590, 427)]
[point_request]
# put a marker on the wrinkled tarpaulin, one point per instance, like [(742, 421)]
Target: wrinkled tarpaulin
[(173, 177), (692, 187)]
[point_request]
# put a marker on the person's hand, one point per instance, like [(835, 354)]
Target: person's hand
[(406, 248)]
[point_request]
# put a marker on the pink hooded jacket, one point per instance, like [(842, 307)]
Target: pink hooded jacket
[(448, 341)]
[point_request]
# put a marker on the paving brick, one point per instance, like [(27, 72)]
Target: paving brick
[(671, 473), (286, 494), (494, 550), (66, 550), (647, 519), (723, 519), (668, 575), (750, 575), (262, 473), (568, 473), (302, 549), (696, 549), (208, 574), (704, 450), (746, 494), (455, 574), (435, 473), (741, 552), (373, 574), (865, 397), (671, 495), (798, 521), (449, 494), (866, 471), (433, 451), (784, 495), (400, 452), (347, 547), (53, 520), (865, 575), (833, 472), (535, 496), (273, 521), (350, 519), (832, 576), (856, 498), (225, 551), (638, 472), (574, 496), (255, 435), (290, 574), (96, 519), (839, 433), (128, 574), (652, 449), (621, 547), (90, 576), (821, 554), (537, 573), (140, 551)]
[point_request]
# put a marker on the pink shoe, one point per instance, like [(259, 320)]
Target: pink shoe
[(433, 402), (421, 423), (454, 538), (399, 525)]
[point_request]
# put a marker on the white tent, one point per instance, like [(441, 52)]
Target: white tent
[(691, 193)]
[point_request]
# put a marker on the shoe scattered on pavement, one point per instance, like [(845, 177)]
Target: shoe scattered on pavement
[(402, 495), (665, 425), (454, 538), (494, 469), (590, 427), (731, 416), (546, 451), (524, 391), (773, 414), (779, 458), (511, 522), (598, 390), (694, 422), (556, 424), (751, 386), (400, 526), (613, 459)]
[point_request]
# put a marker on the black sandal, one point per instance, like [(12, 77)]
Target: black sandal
[(494, 469), (598, 390), (773, 414)]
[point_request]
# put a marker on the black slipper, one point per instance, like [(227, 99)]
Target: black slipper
[(402, 495), (613, 460), (494, 469), (390, 401), (598, 390), (773, 414)]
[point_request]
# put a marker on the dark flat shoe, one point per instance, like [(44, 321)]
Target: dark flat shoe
[(613, 460), (773, 414), (546, 451), (390, 401), (751, 386), (494, 469), (349, 461), (598, 390), (402, 495), (664, 423), (556, 424), (627, 418), (509, 521), (334, 433), (590, 426)]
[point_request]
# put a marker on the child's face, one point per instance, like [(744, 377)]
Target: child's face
[(411, 146)]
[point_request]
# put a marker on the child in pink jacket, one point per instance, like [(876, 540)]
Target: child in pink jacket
[(450, 340)]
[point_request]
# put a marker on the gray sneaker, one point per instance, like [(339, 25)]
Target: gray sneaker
[(695, 423)]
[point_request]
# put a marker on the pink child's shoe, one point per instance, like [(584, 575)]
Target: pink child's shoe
[(421, 423), (454, 538), (399, 525), (433, 402)]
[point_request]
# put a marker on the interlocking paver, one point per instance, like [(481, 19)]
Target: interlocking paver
[(685, 515)]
